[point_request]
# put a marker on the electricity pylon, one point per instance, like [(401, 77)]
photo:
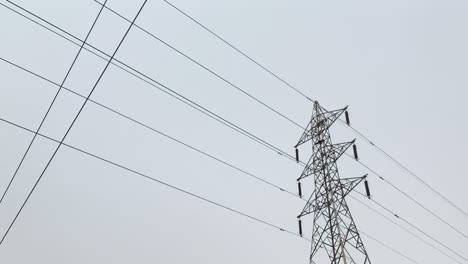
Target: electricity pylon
[(334, 229)]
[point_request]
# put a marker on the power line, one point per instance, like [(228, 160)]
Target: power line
[(216, 117), (204, 153), (163, 88), (53, 101), (366, 139), (419, 229), (259, 101), (414, 200), (230, 83), (71, 125), (239, 51), (388, 247), (176, 140), (258, 140), (201, 151), (158, 181), (407, 170), (185, 144), (187, 192), (400, 226), (49, 29), (159, 132)]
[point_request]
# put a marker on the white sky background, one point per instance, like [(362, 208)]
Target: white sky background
[(400, 65)]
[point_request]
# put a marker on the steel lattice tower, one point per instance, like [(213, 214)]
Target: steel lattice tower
[(334, 230)]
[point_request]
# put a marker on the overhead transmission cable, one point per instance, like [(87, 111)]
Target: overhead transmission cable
[(147, 79), (191, 194), (192, 147), (147, 126), (95, 54), (388, 247), (100, 158), (420, 230), (52, 103), (406, 169), (209, 113), (71, 125), (238, 50), (431, 212), (400, 226), (224, 79), (277, 112), (298, 91)]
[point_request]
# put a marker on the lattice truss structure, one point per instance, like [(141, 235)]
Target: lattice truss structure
[(334, 230)]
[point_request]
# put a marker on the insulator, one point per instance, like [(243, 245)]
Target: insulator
[(347, 118), (355, 152), (300, 227), (299, 188), (366, 184), (297, 155)]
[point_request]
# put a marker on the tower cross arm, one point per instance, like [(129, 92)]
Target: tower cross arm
[(348, 184)]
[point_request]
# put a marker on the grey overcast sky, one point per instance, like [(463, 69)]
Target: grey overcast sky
[(400, 65)]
